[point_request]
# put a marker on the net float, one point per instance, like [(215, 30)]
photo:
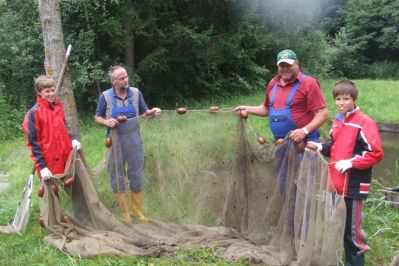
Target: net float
[(66, 219), (213, 109), (121, 118), (40, 191), (300, 146), (69, 181), (149, 112), (54, 188), (261, 140), (108, 142), (244, 114), (181, 110), (41, 222), (279, 141)]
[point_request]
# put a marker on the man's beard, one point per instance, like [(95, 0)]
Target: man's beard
[(288, 77), (124, 86)]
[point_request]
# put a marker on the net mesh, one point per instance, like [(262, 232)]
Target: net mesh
[(21, 217), (208, 183)]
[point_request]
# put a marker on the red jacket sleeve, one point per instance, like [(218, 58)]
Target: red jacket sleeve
[(32, 132), (373, 152)]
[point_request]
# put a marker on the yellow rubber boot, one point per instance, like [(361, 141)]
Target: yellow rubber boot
[(136, 204), (123, 205)]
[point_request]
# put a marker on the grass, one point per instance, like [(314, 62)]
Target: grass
[(381, 221), (381, 224)]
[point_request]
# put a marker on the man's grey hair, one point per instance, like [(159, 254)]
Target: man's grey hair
[(112, 71)]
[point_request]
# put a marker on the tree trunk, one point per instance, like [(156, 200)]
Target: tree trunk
[(129, 56), (129, 50), (54, 50)]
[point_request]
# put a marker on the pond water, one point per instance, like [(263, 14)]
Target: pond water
[(387, 171)]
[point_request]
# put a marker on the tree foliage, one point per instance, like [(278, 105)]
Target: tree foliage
[(10, 119), (21, 52), (369, 34), (182, 49), (179, 51)]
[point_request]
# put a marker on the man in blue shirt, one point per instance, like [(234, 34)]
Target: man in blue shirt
[(118, 109)]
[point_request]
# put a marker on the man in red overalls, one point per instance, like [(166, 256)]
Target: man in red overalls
[(294, 102)]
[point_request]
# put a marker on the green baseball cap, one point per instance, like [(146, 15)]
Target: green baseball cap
[(287, 56)]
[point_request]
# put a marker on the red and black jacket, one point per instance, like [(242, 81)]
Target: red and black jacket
[(47, 136), (353, 136)]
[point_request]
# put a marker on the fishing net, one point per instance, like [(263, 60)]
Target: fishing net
[(21, 217), (208, 182)]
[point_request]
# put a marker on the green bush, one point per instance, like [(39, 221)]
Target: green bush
[(312, 56), (382, 70), (343, 58), (10, 120)]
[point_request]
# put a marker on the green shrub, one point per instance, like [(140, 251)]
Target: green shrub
[(382, 70), (10, 120), (343, 57)]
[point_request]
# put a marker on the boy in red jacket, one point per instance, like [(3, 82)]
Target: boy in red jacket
[(46, 132), (354, 147), (49, 142)]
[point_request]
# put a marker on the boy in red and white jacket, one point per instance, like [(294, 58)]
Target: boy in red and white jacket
[(46, 132), (354, 147)]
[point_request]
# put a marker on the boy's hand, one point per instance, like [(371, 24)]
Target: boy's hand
[(76, 144), (45, 173), (343, 165), (314, 146)]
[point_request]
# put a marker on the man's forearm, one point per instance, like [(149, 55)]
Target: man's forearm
[(321, 116), (259, 110), (99, 120)]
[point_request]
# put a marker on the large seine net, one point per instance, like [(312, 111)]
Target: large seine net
[(208, 183)]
